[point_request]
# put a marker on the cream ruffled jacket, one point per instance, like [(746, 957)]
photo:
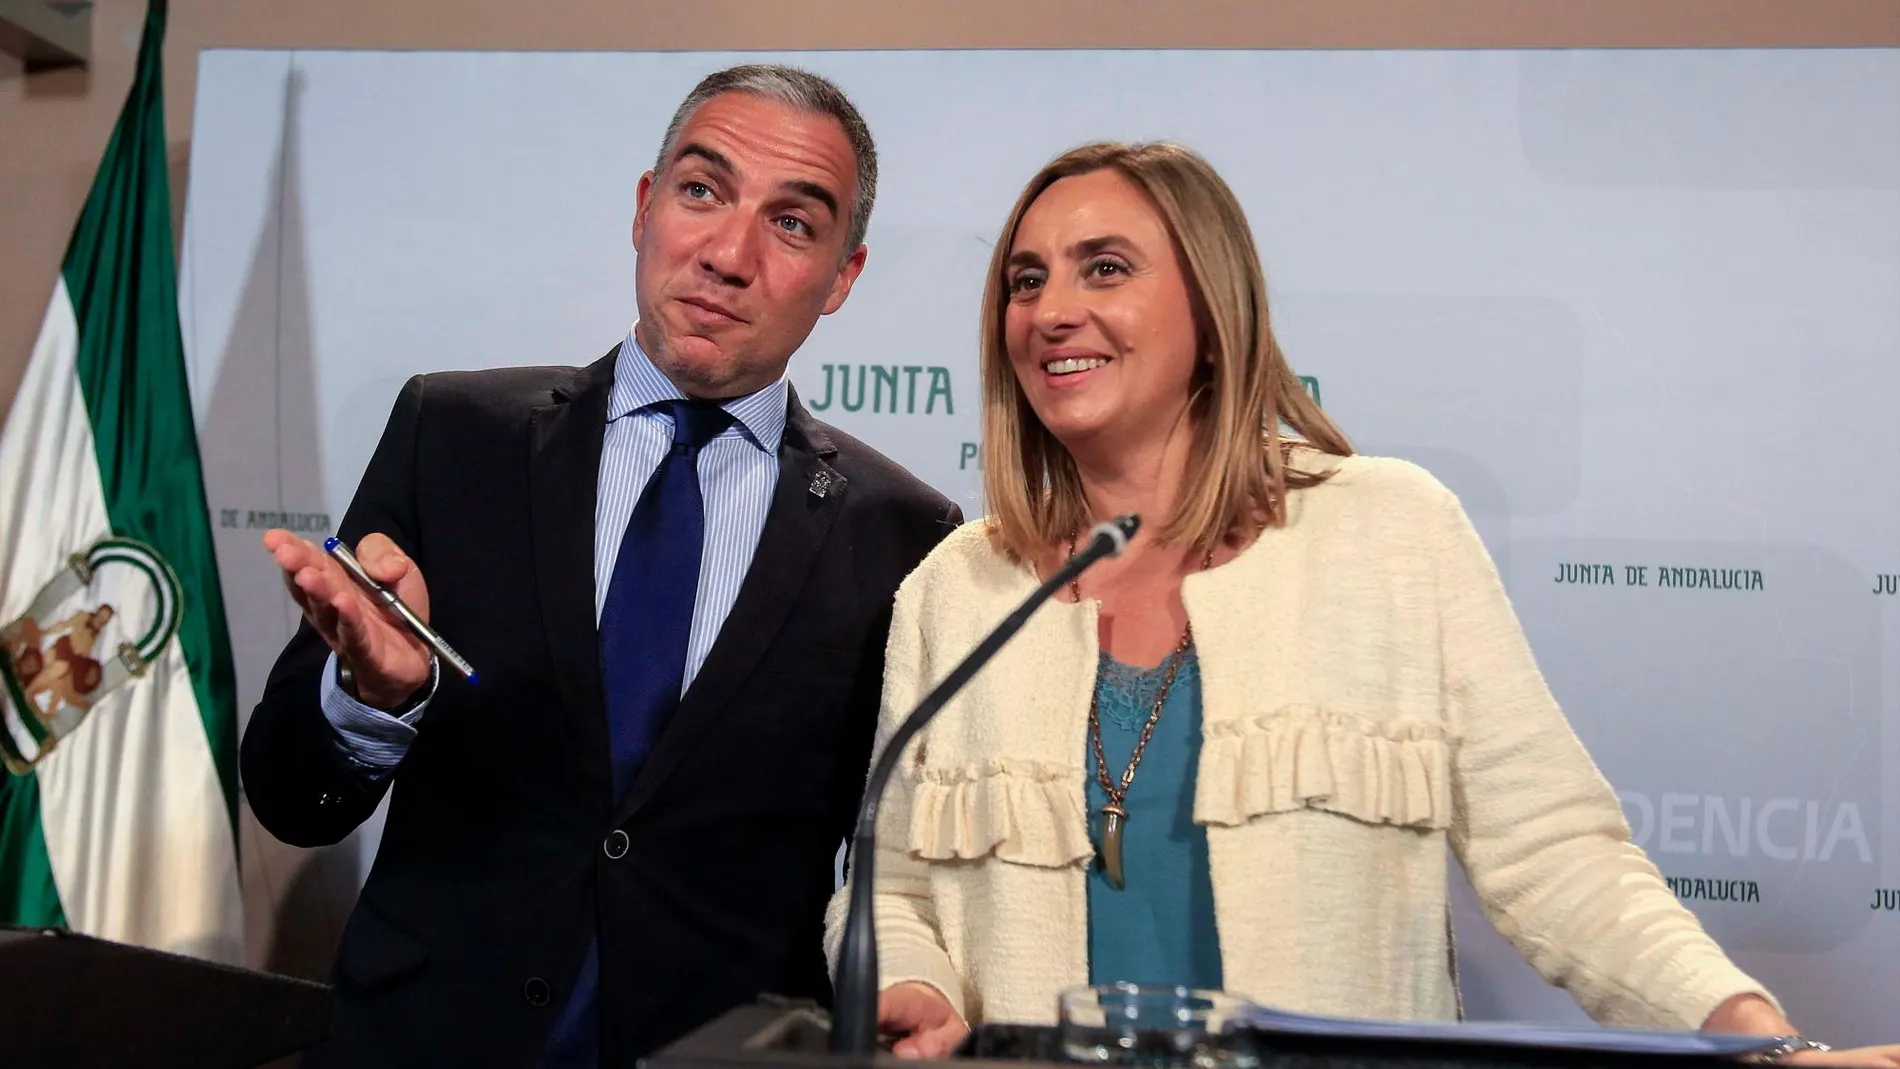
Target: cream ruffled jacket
[(1368, 701)]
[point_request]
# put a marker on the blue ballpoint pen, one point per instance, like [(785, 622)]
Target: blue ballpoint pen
[(335, 547)]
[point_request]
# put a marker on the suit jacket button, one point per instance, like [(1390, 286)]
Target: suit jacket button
[(616, 845), (536, 991)]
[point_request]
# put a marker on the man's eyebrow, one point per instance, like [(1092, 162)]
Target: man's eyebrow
[(711, 155), (816, 192), (719, 161)]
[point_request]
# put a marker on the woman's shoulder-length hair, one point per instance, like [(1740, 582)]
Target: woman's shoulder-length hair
[(1246, 399)]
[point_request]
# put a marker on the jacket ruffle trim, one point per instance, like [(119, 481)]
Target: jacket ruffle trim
[(1024, 812), (1305, 757), (1394, 772)]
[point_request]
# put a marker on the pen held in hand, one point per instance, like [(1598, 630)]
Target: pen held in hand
[(387, 597)]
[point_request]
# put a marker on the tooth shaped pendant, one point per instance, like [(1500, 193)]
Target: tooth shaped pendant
[(1113, 818)]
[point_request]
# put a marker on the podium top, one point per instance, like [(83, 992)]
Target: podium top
[(76, 1002), (779, 1033)]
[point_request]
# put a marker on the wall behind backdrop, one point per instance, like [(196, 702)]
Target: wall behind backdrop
[(53, 126), (1639, 309)]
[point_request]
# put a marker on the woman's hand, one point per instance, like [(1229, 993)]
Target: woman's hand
[(923, 1020), (1887, 1057), (1752, 1015)]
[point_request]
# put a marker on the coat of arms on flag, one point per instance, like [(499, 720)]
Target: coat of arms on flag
[(95, 625)]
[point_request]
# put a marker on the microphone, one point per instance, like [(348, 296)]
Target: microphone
[(854, 1021)]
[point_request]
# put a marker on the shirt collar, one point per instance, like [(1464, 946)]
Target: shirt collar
[(637, 383)]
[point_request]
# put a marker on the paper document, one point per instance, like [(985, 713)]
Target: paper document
[(1516, 1034)]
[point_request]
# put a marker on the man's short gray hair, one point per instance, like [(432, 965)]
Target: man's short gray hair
[(804, 91)]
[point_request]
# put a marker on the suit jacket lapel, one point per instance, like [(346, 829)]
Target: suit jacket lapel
[(795, 530), (563, 483)]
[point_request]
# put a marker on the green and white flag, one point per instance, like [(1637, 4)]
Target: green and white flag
[(119, 738)]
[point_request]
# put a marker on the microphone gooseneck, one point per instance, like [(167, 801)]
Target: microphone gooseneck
[(854, 1019)]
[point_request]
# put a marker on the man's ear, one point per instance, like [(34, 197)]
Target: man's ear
[(847, 274), (642, 196)]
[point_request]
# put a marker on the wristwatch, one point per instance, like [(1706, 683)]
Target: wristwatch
[(1786, 1045)]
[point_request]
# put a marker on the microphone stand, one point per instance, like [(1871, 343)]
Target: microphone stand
[(854, 1022)]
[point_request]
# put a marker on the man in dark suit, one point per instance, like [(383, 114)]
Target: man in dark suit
[(675, 585)]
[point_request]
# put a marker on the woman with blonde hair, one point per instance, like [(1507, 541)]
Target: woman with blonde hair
[(1235, 755)]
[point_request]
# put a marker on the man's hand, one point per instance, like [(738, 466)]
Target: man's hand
[(388, 662), (922, 1019)]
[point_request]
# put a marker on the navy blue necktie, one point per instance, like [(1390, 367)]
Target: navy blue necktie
[(644, 626)]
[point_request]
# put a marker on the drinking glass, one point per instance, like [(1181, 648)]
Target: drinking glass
[(1160, 1026)]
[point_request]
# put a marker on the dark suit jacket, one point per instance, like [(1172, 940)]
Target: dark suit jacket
[(473, 922)]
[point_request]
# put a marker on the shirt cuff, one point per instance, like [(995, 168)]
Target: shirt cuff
[(370, 739)]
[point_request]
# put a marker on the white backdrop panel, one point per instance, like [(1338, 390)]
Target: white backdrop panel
[(1641, 310)]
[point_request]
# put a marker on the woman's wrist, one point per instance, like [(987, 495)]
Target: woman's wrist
[(1748, 1015)]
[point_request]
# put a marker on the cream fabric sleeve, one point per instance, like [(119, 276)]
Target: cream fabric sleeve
[(909, 946), (1538, 829)]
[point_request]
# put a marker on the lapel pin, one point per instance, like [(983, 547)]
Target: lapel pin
[(820, 483)]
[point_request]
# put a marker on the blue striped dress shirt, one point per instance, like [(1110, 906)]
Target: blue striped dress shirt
[(738, 472)]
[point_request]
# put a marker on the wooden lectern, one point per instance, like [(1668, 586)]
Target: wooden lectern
[(76, 1002)]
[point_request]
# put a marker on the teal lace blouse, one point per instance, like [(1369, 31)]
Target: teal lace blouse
[(1160, 928)]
